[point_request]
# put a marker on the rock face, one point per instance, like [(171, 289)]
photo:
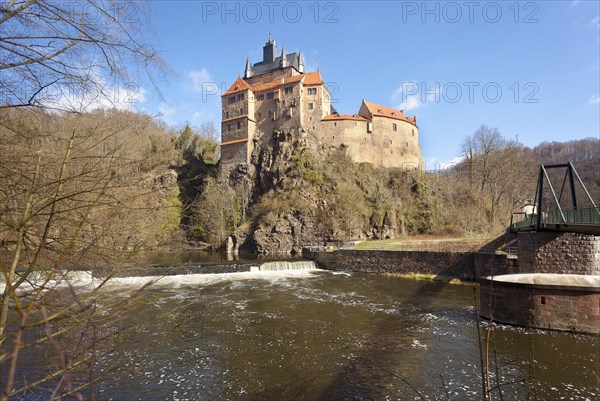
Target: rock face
[(289, 233), (290, 203), (275, 228)]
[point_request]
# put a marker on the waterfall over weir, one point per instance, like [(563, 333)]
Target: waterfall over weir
[(286, 265)]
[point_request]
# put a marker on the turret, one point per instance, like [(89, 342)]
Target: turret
[(248, 71), (300, 62), (283, 60), (269, 50)]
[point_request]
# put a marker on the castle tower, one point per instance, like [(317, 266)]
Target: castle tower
[(269, 51)]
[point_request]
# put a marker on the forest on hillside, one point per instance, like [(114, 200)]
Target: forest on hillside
[(114, 181)]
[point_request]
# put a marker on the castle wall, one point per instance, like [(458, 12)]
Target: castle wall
[(281, 113), (399, 148), (383, 147), (233, 154), (320, 102)]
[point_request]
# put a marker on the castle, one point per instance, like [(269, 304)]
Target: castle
[(276, 96)]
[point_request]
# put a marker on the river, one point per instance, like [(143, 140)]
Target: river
[(318, 335)]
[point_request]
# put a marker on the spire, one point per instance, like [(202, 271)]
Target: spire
[(283, 61), (248, 70), (300, 62)]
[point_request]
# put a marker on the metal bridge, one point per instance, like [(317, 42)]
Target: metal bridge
[(566, 214)]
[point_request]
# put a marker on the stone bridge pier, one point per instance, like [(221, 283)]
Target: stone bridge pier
[(559, 253), (557, 285)]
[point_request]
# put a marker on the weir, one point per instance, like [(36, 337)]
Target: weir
[(287, 265)]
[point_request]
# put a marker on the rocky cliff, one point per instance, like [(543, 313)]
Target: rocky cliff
[(300, 194)]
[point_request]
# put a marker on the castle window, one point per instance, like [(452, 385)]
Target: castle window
[(369, 128), (413, 132), (231, 99), (312, 91), (239, 125), (260, 97), (270, 95), (311, 106), (269, 113), (259, 116), (394, 127), (226, 114), (240, 97), (289, 90), (335, 123), (228, 127), (241, 111)]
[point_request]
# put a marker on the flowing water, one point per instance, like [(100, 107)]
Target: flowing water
[(307, 334)]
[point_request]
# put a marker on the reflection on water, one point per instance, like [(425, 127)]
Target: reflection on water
[(315, 335)]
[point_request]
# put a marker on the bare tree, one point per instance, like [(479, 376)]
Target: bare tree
[(499, 171), (68, 55), (74, 188)]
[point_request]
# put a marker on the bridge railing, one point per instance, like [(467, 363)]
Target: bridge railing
[(582, 215)]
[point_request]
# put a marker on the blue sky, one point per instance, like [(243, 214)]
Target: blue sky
[(530, 68)]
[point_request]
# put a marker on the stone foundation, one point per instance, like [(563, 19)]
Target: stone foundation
[(557, 307), (564, 253)]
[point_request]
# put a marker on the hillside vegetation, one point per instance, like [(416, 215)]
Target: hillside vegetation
[(299, 194), (110, 182)]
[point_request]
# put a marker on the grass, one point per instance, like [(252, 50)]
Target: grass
[(424, 243)]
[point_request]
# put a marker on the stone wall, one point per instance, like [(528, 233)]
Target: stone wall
[(453, 264), (563, 253), (544, 308), (383, 147), (490, 264)]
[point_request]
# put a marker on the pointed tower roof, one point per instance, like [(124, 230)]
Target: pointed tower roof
[(300, 61), (283, 59), (248, 70)]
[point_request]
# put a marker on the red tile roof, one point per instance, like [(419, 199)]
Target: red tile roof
[(333, 117), (311, 78), (384, 111), (237, 86)]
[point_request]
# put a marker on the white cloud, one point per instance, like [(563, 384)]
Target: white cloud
[(574, 3), (167, 112), (96, 94), (199, 79), (412, 95), (435, 164), (595, 22), (594, 100)]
